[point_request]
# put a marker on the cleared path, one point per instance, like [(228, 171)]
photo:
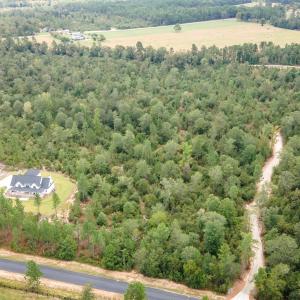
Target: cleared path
[(253, 210), (97, 282)]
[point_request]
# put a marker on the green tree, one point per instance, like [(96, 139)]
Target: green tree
[(270, 285), (227, 267), (37, 202), (83, 187), (33, 276), (216, 177), (177, 27), (87, 293), (193, 275), (67, 249), (135, 291), (282, 249), (246, 250), (55, 202), (213, 236)]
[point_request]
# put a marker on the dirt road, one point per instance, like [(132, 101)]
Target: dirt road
[(253, 211), (282, 67)]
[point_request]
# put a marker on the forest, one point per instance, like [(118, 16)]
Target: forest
[(166, 149), (24, 3), (104, 15), (276, 16), (100, 15)]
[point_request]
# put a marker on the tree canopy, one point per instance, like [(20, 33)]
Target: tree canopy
[(166, 149)]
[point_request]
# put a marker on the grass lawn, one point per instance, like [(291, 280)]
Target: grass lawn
[(166, 29), (64, 189), (45, 37), (217, 32)]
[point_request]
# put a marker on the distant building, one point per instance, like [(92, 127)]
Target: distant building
[(30, 184), (45, 29), (77, 36), (63, 31)]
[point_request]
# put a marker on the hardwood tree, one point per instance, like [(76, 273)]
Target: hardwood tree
[(135, 291), (177, 27), (32, 276)]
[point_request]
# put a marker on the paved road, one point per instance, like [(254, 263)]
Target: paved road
[(97, 282)]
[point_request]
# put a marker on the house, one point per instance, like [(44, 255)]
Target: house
[(77, 36), (63, 31), (30, 184)]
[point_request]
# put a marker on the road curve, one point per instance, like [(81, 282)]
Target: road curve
[(253, 211), (97, 282)]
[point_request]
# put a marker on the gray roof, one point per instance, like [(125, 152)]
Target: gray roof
[(32, 172), (45, 182), (26, 179)]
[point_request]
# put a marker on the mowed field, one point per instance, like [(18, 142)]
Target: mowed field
[(218, 32)]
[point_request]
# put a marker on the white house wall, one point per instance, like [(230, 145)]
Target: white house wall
[(5, 182), (50, 189)]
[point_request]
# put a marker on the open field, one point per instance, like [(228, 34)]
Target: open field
[(45, 37), (218, 32), (64, 189), (251, 4), (208, 33)]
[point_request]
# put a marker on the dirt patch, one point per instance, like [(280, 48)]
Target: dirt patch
[(282, 67), (63, 215)]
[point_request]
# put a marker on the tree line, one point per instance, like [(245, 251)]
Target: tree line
[(100, 15), (103, 15), (263, 54), (276, 16)]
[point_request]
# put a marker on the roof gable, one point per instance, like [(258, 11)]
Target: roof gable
[(32, 172), (26, 180), (46, 182), (31, 182)]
